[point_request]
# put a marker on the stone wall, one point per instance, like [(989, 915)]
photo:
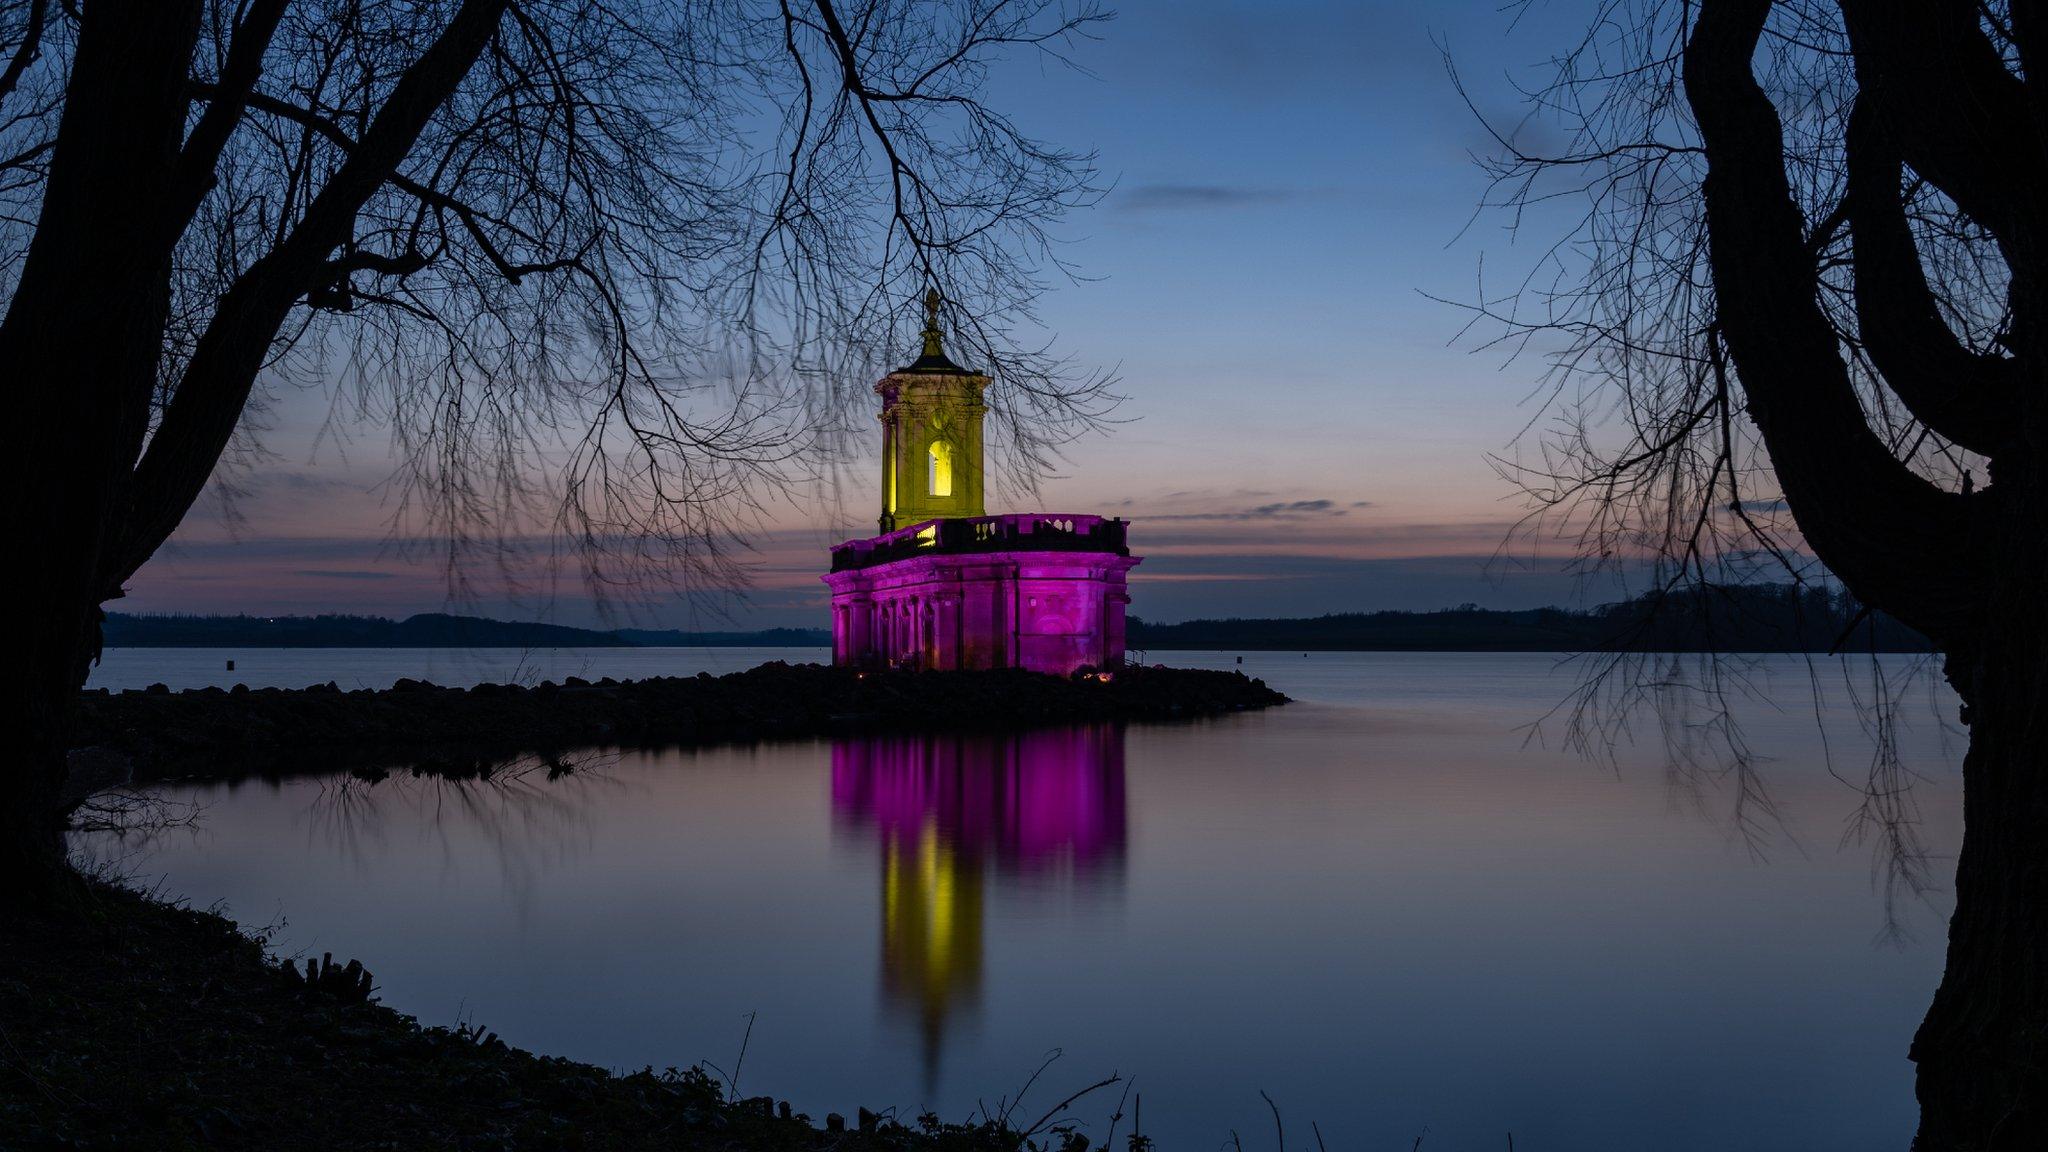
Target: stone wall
[(1044, 611)]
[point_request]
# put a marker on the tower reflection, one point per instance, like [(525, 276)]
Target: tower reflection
[(1032, 810)]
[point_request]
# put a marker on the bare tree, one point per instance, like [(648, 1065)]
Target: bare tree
[(1797, 316), (606, 267)]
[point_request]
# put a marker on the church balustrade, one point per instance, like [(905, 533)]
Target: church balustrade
[(1010, 532)]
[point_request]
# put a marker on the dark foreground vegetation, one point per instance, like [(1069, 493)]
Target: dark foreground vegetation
[(271, 731), (1752, 618), (135, 1024)]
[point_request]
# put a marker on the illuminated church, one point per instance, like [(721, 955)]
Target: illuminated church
[(945, 585)]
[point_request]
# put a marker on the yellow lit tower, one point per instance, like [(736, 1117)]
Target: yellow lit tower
[(932, 413), (945, 584)]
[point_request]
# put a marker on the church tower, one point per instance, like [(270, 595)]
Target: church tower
[(932, 412)]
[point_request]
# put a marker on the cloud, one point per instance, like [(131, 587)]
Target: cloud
[(1186, 197), (1224, 551), (1278, 510), (1295, 507), (305, 482), (1180, 586), (343, 574)]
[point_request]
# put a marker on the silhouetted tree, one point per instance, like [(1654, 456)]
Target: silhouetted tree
[(1803, 317), (603, 266)]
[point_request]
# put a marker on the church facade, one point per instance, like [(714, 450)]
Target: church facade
[(944, 584)]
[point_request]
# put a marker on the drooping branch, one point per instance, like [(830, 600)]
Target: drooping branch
[(1899, 543), (594, 315), (202, 414)]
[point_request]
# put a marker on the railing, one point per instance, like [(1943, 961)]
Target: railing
[(1012, 532)]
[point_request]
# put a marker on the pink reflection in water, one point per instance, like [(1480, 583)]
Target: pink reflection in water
[(1025, 801), (947, 811)]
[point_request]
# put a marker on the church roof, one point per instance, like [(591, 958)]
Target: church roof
[(936, 364), (934, 361)]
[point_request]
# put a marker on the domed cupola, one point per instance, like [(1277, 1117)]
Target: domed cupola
[(932, 413)]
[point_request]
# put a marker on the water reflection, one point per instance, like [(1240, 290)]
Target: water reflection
[(1389, 884), (949, 812)]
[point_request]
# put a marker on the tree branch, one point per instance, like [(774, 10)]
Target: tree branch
[(201, 416), (25, 53), (1898, 542), (1971, 398), (1953, 107), (238, 76)]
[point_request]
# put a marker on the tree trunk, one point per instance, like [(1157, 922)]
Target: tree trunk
[(1983, 1049), (80, 347), (41, 698)]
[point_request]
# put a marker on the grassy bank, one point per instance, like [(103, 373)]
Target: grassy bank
[(135, 1024)]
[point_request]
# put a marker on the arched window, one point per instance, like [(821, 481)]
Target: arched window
[(940, 464)]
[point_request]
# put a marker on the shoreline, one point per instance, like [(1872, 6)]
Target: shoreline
[(153, 734), (132, 1022), (206, 1041)]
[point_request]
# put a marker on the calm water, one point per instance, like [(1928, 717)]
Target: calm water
[(1383, 905)]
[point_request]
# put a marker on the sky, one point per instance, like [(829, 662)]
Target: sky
[(1303, 430)]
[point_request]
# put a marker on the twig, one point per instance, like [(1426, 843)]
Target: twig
[(1109, 1141), (1060, 1107), (732, 1084), (1279, 1129), (1010, 1106)]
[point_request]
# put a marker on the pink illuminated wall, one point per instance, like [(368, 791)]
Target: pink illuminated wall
[(1018, 591)]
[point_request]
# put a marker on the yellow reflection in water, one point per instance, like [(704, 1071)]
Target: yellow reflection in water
[(931, 929)]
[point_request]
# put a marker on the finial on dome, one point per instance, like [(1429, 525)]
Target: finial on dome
[(932, 300)]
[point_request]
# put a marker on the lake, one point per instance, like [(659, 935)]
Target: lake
[(1391, 906)]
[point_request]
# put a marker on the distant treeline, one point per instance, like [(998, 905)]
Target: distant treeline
[(1751, 618), (429, 630)]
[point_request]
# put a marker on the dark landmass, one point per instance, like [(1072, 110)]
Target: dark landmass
[(428, 630), (230, 733), (1752, 618), (1748, 618), (134, 1024)]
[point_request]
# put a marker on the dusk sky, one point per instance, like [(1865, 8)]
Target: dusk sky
[(1303, 434)]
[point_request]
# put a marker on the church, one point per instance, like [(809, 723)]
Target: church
[(946, 585)]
